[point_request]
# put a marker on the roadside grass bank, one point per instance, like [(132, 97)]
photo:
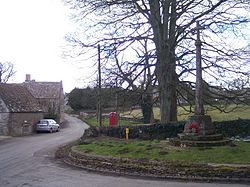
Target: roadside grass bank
[(112, 156), (158, 159), (237, 153)]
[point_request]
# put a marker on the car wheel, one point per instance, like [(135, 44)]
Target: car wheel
[(51, 130)]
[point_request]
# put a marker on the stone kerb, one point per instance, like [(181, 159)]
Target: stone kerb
[(158, 169)]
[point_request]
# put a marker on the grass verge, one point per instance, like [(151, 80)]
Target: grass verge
[(105, 122), (161, 150)]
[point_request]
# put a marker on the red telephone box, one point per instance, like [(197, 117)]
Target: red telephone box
[(112, 118)]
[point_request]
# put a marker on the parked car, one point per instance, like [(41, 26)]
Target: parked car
[(47, 125)]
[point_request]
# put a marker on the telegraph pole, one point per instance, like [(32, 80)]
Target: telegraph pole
[(99, 105), (117, 104)]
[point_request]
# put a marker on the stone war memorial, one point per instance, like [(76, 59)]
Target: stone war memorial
[(199, 130)]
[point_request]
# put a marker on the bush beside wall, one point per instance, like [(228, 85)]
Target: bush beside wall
[(234, 128), (155, 131)]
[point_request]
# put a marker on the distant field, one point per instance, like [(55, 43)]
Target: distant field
[(105, 122), (241, 112)]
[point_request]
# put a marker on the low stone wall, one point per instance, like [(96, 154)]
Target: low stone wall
[(149, 168), (155, 131), (233, 128), (158, 169)]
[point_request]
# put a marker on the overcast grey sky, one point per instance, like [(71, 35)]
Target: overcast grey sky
[(32, 36)]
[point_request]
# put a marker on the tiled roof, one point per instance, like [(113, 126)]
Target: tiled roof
[(44, 89), (18, 99)]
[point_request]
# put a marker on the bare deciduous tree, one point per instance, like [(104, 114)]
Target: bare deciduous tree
[(168, 25), (6, 71)]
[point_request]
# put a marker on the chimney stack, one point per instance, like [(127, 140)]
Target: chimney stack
[(27, 78)]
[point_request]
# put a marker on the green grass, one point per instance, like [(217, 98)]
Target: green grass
[(161, 150), (216, 115), (240, 112), (93, 121)]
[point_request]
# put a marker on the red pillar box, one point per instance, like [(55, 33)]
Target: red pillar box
[(112, 118)]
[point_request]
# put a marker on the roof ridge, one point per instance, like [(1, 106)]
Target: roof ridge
[(18, 98)]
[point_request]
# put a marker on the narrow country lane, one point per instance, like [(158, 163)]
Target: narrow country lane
[(29, 161)]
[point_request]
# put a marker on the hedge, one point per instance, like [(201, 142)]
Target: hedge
[(240, 127), (233, 128)]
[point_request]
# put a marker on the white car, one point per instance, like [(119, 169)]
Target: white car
[(48, 125)]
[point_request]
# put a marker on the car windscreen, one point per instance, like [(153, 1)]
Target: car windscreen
[(43, 122)]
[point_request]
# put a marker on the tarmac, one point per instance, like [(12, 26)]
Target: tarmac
[(2, 138)]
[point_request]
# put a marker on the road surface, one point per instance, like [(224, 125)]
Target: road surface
[(29, 161)]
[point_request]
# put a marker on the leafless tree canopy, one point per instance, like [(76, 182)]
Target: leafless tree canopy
[(6, 71), (123, 26)]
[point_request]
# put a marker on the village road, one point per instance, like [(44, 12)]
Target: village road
[(29, 161)]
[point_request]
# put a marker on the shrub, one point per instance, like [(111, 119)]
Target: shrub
[(162, 131), (155, 131), (232, 128)]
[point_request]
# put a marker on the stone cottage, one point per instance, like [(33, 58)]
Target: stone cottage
[(50, 96), (19, 110)]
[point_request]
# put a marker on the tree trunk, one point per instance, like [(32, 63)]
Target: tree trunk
[(167, 86), (164, 37)]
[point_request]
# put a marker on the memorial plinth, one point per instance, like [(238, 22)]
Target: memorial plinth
[(199, 125), (199, 130)]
